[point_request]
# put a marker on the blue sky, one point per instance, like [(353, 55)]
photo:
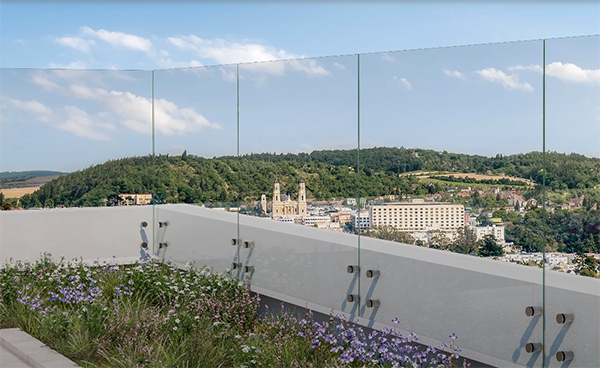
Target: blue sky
[(484, 99)]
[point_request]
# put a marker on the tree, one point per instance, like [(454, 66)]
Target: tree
[(114, 200), (184, 155), (390, 233), (488, 247), (438, 240), (465, 241), (585, 265), (49, 203), (158, 198), (30, 201), (483, 220)]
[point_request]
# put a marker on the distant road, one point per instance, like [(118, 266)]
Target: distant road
[(18, 192)]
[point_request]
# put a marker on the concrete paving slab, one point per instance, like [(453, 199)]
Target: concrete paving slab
[(29, 351)]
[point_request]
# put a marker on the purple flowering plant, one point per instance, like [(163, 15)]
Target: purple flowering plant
[(152, 314)]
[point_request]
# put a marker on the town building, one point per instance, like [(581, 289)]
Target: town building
[(418, 215), (283, 206), (496, 230), (364, 222), (289, 220), (341, 217), (316, 220), (136, 199)]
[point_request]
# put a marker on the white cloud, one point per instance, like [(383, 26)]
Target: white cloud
[(533, 67), (566, 72), (20, 41), (72, 65), (404, 82), (252, 56), (135, 111), (454, 73), (76, 43), (46, 83), (120, 39), (387, 57), (572, 73), (229, 75), (508, 81), (338, 65), (261, 58), (81, 124), (77, 121), (167, 62), (43, 112)]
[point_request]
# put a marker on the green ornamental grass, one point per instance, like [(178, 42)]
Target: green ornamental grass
[(152, 314)]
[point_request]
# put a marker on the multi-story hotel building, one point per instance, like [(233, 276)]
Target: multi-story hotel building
[(418, 215)]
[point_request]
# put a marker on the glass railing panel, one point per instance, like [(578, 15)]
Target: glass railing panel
[(572, 162), (451, 144), (76, 138), (195, 127), (298, 183)]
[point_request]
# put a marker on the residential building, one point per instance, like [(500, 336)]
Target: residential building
[(341, 217), (365, 220), (495, 190), (575, 203), (289, 220), (496, 230), (316, 220), (516, 200)]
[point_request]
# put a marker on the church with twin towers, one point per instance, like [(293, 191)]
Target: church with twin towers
[(284, 206)]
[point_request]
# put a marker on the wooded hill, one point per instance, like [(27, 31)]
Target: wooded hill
[(328, 174), (28, 174)]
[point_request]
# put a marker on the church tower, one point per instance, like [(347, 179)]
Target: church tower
[(263, 203), (277, 205), (301, 198)]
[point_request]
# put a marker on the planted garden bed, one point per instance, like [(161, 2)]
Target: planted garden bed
[(152, 314)]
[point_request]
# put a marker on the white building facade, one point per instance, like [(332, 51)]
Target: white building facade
[(316, 220), (497, 231), (364, 220), (418, 216)]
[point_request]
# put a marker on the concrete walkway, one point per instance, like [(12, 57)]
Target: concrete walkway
[(18, 349)]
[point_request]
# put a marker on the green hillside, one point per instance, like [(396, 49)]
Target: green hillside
[(328, 174), (4, 175)]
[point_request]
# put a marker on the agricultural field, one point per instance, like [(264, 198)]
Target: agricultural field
[(427, 174), (18, 192)]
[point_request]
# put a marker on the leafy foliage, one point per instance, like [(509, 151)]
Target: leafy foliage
[(488, 247), (155, 315), (390, 233), (328, 174)]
